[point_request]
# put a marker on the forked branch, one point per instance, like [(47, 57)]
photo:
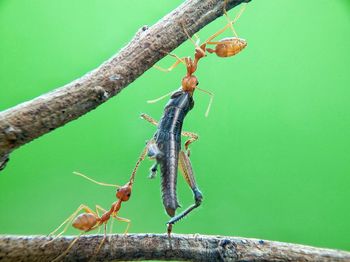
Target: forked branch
[(160, 247), (27, 121)]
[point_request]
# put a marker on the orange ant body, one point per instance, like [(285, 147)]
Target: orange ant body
[(225, 47), (228, 46), (90, 220)]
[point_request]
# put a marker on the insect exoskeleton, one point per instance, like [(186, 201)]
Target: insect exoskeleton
[(228, 46), (85, 221), (124, 192)]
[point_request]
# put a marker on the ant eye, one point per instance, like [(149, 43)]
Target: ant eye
[(197, 83), (129, 194)]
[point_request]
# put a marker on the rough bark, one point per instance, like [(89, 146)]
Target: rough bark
[(160, 247), (29, 120)]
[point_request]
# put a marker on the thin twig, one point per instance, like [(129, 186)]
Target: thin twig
[(160, 247), (27, 121)]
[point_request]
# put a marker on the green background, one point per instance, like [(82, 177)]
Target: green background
[(273, 159)]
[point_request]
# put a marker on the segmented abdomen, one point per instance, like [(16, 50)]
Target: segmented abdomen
[(168, 139), (85, 221), (169, 145)]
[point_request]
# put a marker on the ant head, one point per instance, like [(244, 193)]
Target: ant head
[(189, 83), (124, 192)]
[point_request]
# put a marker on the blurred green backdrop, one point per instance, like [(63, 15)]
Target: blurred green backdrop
[(273, 157)]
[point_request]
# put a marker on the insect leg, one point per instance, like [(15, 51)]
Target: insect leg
[(126, 221), (200, 49), (228, 25), (229, 20), (99, 208), (193, 137), (68, 220), (149, 119), (166, 70), (208, 41), (69, 247), (102, 241), (187, 171)]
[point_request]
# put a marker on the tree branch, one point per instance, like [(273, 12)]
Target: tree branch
[(160, 247), (27, 121)]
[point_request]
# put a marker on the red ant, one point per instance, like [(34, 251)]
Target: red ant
[(90, 220), (225, 47)]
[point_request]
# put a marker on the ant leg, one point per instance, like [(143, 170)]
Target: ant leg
[(98, 214), (69, 247), (229, 20), (210, 101), (179, 60), (98, 207), (102, 241), (126, 221), (240, 12), (228, 25), (167, 70), (187, 171), (208, 41), (196, 44), (111, 231), (69, 219)]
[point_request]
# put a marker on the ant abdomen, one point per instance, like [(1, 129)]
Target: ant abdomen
[(85, 221), (228, 47)]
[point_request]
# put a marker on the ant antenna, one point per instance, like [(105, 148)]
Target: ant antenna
[(94, 181), (167, 70), (210, 101)]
